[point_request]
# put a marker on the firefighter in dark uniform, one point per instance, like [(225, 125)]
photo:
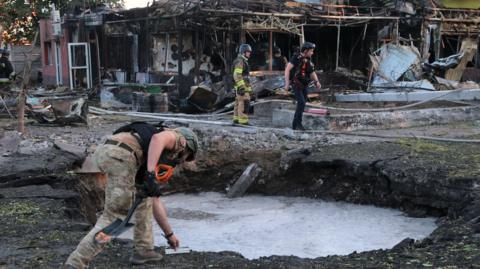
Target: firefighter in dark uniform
[(299, 72), (6, 68), (242, 87)]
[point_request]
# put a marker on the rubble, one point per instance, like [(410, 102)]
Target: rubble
[(468, 50), (407, 174), (59, 108), (175, 56), (202, 98), (292, 157)]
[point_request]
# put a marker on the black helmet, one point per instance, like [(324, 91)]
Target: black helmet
[(307, 46), (277, 50), (244, 48)]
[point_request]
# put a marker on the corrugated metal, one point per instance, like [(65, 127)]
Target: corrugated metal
[(394, 62)]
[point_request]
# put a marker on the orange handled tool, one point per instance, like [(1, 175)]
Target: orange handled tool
[(163, 172)]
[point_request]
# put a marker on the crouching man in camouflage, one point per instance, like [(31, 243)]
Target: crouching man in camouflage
[(129, 158)]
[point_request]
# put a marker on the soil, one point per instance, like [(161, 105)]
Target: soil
[(46, 209)]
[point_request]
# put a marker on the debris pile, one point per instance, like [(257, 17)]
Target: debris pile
[(399, 67), (60, 106)]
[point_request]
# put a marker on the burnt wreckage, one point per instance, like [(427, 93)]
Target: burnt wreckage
[(171, 46)]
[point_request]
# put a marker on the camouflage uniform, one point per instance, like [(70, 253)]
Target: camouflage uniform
[(121, 166), (240, 76)]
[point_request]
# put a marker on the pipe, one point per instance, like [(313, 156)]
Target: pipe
[(150, 116)]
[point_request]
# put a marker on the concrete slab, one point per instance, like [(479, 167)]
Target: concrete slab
[(284, 118), (245, 180), (379, 120), (77, 151), (414, 96), (405, 85), (9, 142), (266, 109)]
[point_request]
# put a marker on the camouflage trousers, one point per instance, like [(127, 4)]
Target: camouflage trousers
[(239, 113), (120, 167)]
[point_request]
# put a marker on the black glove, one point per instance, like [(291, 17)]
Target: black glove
[(151, 186), (241, 91)]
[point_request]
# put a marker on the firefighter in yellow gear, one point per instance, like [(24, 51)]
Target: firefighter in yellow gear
[(242, 87)]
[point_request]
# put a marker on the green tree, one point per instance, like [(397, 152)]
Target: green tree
[(19, 18)]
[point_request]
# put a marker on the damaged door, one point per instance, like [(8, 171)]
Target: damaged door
[(80, 66)]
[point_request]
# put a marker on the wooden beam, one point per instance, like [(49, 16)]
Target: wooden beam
[(294, 15)]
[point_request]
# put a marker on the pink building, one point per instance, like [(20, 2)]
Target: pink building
[(54, 48)]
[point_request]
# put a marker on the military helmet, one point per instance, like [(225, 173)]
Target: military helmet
[(192, 141), (307, 46), (244, 48)]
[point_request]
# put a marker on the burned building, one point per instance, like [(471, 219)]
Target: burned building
[(174, 45)]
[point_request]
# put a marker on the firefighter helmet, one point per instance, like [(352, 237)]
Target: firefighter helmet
[(307, 46), (244, 48)]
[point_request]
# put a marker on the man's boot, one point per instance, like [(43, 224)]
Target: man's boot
[(145, 256)]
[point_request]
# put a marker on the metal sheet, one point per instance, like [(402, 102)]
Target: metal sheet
[(395, 60)]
